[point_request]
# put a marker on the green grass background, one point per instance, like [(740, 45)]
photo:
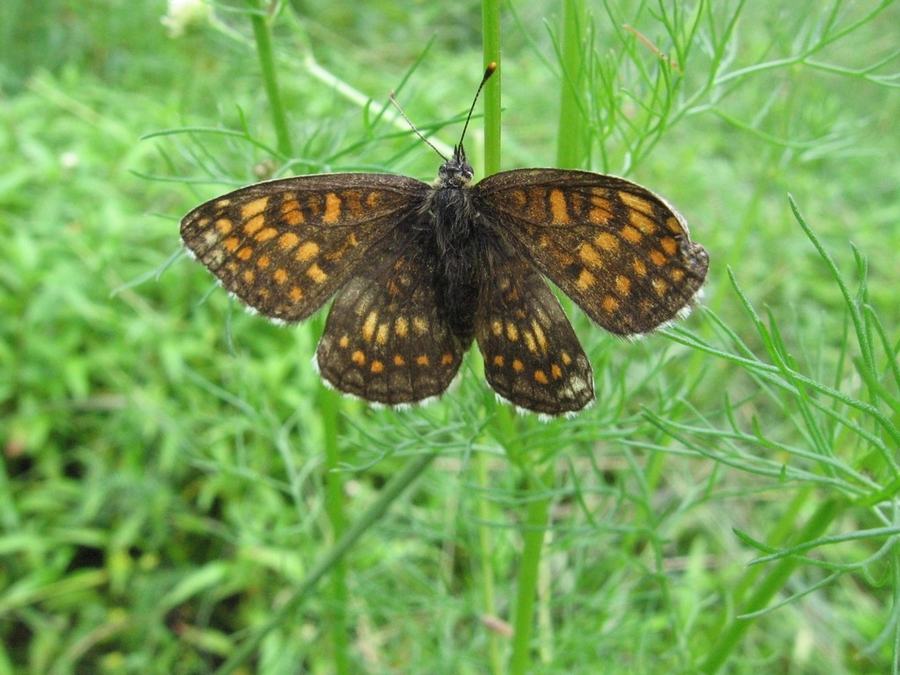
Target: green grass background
[(174, 475)]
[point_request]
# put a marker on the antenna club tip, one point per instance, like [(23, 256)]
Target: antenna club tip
[(491, 68)]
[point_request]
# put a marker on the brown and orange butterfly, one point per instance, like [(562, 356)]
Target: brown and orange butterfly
[(420, 271)]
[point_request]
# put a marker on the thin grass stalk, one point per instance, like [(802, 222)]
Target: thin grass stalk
[(490, 20), (328, 401), (571, 150), (262, 34), (529, 569)]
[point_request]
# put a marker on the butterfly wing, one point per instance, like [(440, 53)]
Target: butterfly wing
[(285, 246), (532, 357), (618, 250), (385, 338)]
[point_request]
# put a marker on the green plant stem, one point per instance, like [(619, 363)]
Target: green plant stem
[(571, 148), (486, 562), (262, 34), (535, 528), (392, 490), (490, 16), (334, 505), (490, 21), (771, 584)]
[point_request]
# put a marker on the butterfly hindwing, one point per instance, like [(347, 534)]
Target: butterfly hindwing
[(385, 338), (532, 357), (618, 250), (285, 246)]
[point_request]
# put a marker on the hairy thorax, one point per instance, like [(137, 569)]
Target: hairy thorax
[(463, 244)]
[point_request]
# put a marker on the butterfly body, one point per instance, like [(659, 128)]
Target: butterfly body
[(421, 271), (460, 244)]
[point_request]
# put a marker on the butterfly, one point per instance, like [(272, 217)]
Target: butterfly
[(418, 272)]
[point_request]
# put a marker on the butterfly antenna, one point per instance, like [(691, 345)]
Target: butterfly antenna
[(413, 127), (492, 67)]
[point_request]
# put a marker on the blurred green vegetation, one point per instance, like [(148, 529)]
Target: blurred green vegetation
[(163, 488)]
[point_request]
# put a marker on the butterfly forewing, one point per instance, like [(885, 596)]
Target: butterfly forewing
[(619, 251), (532, 357), (385, 339), (285, 246)]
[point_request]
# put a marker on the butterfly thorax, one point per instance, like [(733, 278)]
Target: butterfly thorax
[(460, 242)]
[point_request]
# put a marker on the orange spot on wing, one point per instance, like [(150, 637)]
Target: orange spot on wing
[(589, 255), (254, 224), (674, 225), (401, 327), (642, 222), (601, 210), (266, 234), (287, 241), (637, 203), (669, 245), (316, 273), (291, 213), (255, 207), (558, 208), (585, 280), (332, 213), (381, 335), (631, 234), (539, 335), (307, 251), (606, 241), (368, 327)]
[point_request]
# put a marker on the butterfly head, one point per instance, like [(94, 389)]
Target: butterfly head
[(456, 172)]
